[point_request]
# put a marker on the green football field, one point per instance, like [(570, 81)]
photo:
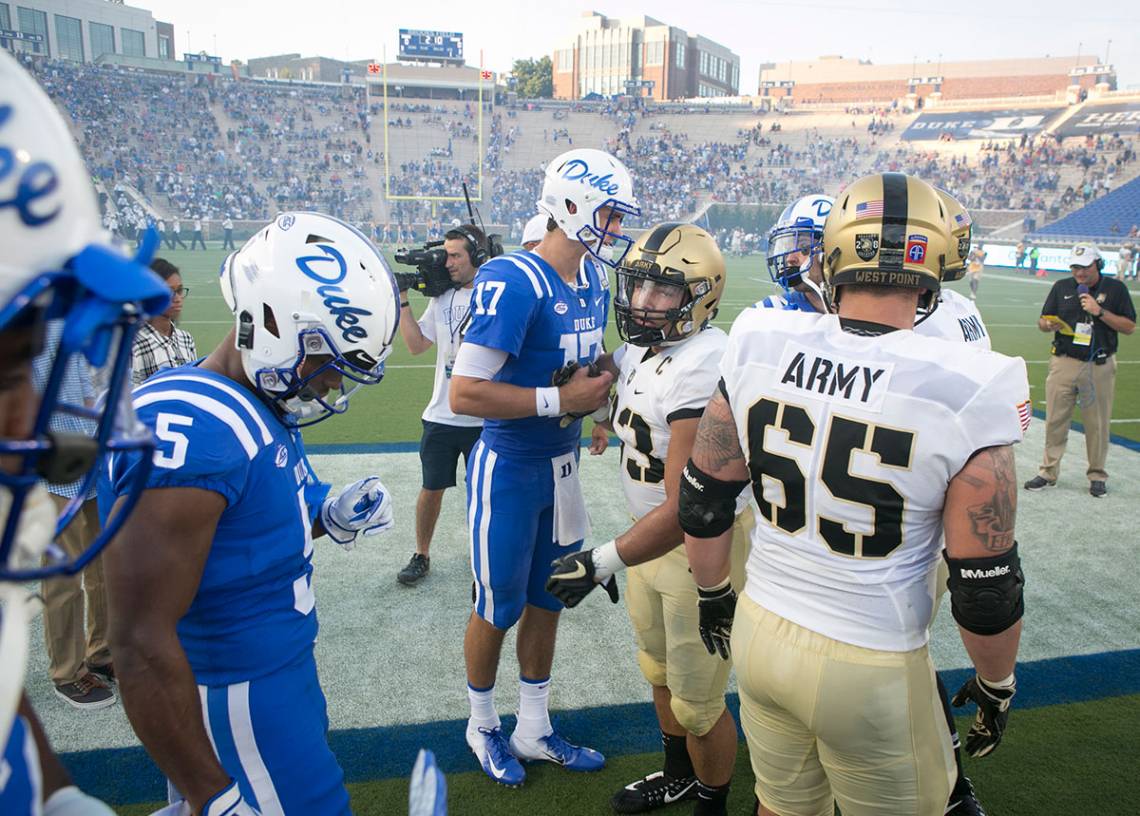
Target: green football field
[(390, 657), (1009, 303)]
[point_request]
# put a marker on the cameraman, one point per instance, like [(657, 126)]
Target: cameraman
[(446, 435)]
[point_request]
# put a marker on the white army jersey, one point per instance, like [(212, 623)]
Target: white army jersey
[(652, 391), (851, 441), (956, 318)]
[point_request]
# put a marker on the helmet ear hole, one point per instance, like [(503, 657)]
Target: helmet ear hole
[(269, 320), (571, 207)]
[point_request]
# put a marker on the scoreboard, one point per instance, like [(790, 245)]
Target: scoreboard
[(440, 46)]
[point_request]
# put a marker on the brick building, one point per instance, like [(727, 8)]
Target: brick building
[(607, 56), (838, 79)]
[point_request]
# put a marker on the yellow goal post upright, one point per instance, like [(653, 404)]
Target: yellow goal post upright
[(388, 194)]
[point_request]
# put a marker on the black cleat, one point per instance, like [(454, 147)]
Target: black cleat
[(417, 568), (1097, 489), (654, 791), (963, 802)]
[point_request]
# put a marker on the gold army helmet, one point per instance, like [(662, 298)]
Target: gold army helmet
[(669, 285), (888, 229), (961, 231)]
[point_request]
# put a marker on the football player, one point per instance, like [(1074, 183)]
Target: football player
[(955, 317), (669, 288), (859, 458), (795, 257), (535, 316), (212, 607), (57, 265)]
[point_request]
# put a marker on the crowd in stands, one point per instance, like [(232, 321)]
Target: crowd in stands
[(211, 148)]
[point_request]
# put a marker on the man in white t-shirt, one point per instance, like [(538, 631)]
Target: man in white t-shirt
[(446, 434)]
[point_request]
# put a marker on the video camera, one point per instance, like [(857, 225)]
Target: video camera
[(430, 278)]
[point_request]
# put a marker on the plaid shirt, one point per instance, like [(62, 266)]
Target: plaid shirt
[(154, 351), (76, 388)]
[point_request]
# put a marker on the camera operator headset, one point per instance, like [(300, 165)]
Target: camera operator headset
[(445, 274)]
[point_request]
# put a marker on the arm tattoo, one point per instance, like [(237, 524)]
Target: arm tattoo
[(993, 520), (716, 450)]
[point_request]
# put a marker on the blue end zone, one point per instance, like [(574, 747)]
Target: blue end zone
[(126, 775)]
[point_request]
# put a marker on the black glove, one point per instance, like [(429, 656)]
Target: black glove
[(561, 377), (993, 712), (573, 579), (717, 607)]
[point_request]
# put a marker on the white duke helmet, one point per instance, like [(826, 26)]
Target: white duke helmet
[(578, 184), (57, 264), (798, 231), (309, 284)]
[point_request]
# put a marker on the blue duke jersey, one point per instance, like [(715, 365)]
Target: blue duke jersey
[(793, 301), (521, 306), (20, 782), (254, 611)]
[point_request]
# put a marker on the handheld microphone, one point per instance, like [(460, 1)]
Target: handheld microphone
[(1083, 290)]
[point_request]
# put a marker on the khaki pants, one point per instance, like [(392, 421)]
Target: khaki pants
[(828, 722), (661, 597), (1094, 385), (73, 647)]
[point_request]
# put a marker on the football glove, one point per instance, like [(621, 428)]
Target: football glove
[(427, 792), (574, 578), (362, 507), (717, 606), (561, 377), (993, 712), (71, 801)]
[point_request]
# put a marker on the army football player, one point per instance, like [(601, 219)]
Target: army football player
[(668, 292), (862, 443), (795, 239), (210, 583)]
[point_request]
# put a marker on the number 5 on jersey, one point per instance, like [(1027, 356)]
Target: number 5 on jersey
[(164, 429)]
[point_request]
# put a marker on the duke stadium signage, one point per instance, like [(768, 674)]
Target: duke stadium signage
[(1114, 117), (999, 124)]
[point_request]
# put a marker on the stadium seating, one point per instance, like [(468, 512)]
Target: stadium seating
[(167, 146), (1109, 217)]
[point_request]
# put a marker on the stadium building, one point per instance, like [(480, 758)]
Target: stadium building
[(84, 30), (835, 79), (644, 57)]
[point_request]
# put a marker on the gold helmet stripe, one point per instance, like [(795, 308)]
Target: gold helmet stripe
[(896, 208)]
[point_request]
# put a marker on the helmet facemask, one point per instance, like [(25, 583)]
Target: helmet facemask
[(792, 251), (641, 282), (298, 389)]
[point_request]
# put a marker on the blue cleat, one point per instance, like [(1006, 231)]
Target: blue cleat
[(490, 748), (553, 748)]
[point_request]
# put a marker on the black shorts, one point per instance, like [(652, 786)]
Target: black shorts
[(440, 447)]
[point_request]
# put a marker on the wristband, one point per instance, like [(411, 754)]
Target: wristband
[(404, 304), (606, 561), (547, 402)]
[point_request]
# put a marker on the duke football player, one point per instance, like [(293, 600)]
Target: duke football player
[(669, 288), (795, 258), (56, 265), (859, 458), (534, 316), (212, 608)]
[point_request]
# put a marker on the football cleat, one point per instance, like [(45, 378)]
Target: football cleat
[(654, 791), (490, 748), (552, 748), (963, 802)]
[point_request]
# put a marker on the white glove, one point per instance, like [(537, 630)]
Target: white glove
[(229, 802), (362, 507), (71, 801)]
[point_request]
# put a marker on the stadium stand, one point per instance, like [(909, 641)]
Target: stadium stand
[(1113, 217), (165, 146)]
